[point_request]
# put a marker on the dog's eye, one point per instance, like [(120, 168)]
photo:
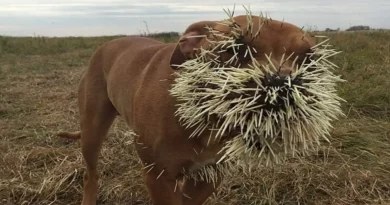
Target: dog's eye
[(238, 50)]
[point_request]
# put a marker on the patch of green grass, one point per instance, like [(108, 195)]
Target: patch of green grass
[(365, 64), (23, 46), (47, 46)]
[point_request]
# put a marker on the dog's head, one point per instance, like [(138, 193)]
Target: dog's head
[(275, 39), (262, 80)]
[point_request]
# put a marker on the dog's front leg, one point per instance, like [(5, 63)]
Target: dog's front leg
[(196, 193), (163, 189)]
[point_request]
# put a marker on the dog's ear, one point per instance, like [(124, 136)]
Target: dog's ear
[(192, 39)]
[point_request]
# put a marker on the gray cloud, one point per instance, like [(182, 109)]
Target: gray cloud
[(97, 17)]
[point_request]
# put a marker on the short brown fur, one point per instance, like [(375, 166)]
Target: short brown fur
[(131, 76)]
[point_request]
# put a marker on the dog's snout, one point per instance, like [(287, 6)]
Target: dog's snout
[(285, 70), (283, 75), (275, 80)]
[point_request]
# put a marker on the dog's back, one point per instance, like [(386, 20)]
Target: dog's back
[(125, 65), (116, 63)]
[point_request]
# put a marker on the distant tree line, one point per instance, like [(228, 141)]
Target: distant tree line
[(352, 28), (332, 30), (162, 34), (358, 28), (170, 34)]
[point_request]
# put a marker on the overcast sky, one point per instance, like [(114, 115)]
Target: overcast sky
[(102, 17)]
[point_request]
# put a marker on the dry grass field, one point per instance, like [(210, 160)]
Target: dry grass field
[(38, 81)]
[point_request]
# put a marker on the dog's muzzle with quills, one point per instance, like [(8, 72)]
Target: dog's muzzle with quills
[(273, 114)]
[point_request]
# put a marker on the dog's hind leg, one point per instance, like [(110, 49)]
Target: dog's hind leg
[(96, 116)]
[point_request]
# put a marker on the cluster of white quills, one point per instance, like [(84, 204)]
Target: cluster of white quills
[(272, 117)]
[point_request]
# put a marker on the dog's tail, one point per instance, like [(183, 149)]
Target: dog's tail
[(70, 135)]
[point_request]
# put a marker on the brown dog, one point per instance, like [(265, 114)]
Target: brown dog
[(131, 76)]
